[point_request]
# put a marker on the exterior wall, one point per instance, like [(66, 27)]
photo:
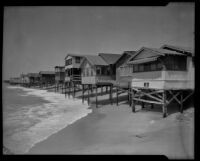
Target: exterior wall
[(74, 64), (88, 80), (166, 79)]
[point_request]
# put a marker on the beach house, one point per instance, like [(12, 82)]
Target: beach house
[(47, 78), (72, 72), (59, 77), (34, 79), (124, 70), (98, 71), (160, 76), (15, 80)]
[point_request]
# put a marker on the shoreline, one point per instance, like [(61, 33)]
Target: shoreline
[(111, 129), (114, 130)]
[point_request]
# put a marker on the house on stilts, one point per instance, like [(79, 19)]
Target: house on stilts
[(47, 78), (98, 71), (59, 77), (160, 76), (72, 73), (34, 79)]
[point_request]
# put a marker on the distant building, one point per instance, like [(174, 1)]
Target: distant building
[(47, 77)]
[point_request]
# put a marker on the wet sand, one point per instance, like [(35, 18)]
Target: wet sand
[(112, 129)]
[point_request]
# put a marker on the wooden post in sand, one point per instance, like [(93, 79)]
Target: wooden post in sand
[(132, 101), (65, 88), (101, 90), (82, 93), (88, 94), (111, 92), (164, 106), (96, 97), (181, 102), (117, 95)]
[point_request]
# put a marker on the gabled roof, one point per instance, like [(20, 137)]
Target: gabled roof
[(128, 55), (178, 49), (110, 58), (47, 72), (95, 60), (158, 52), (73, 54)]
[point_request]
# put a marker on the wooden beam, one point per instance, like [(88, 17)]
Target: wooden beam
[(147, 101), (181, 102), (174, 97), (149, 95), (188, 96)]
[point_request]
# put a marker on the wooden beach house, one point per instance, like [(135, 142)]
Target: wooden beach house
[(47, 78), (72, 72), (160, 76), (59, 77), (24, 78), (15, 80), (124, 70), (98, 71), (34, 79)]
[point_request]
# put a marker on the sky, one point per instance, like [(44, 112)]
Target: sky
[(38, 38)]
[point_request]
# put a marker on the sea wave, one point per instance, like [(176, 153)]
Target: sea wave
[(39, 122)]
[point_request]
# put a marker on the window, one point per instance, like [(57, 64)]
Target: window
[(147, 66), (135, 68), (98, 71), (77, 59), (68, 62), (141, 67), (91, 72), (175, 63), (153, 66), (87, 71)]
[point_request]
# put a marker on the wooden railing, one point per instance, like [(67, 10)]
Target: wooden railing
[(73, 78)]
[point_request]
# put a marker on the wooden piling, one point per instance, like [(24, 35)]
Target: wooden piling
[(111, 94), (117, 95), (88, 94), (82, 93), (181, 102), (164, 106), (96, 97), (132, 101)]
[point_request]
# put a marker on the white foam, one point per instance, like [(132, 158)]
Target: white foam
[(49, 118)]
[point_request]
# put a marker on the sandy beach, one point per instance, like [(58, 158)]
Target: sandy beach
[(112, 129)]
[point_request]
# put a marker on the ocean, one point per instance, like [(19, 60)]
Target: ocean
[(32, 115)]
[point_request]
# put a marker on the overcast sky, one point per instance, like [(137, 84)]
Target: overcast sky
[(39, 38)]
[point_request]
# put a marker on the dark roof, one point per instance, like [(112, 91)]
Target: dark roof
[(128, 55), (178, 48), (165, 51), (95, 60), (129, 52), (33, 74), (47, 72), (110, 58), (73, 54)]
